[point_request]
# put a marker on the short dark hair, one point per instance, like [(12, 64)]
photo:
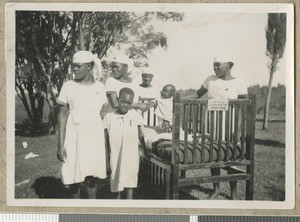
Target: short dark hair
[(172, 87), (126, 90)]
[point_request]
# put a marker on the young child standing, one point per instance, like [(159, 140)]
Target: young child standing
[(81, 146), (164, 107), (123, 132)]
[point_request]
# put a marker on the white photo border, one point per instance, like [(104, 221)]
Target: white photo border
[(289, 202)]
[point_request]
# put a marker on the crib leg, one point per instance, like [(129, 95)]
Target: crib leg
[(167, 184), (215, 172), (175, 177), (233, 188)]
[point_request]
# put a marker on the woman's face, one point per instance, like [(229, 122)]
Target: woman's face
[(147, 78), (118, 69), (221, 69), (81, 70)]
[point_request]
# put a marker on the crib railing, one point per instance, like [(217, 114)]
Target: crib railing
[(221, 129), (149, 116)]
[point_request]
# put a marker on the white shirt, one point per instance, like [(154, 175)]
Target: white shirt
[(224, 89), (115, 85)]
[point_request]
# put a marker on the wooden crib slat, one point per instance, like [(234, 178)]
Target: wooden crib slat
[(216, 125), (211, 146), (162, 179), (243, 128), (231, 122), (186, 131), (184, 120), (195, 125), (200, 118), (157, 175), (190, 118), (227, 128), (236, 130), (203, 131), (148, 117), (149, 172), (220, 134)]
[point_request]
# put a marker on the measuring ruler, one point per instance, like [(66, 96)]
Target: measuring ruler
[(138, 218), (94, 218)]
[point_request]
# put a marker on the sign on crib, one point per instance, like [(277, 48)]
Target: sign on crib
[(217, 105)]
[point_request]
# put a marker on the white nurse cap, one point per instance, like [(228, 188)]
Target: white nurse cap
[(83, 57), (147, 70), (122, 59), (224, 58)]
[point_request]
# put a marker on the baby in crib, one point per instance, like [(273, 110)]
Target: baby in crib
[(164, 107)]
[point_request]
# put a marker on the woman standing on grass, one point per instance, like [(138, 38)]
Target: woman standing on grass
[(222, 85), (81, 146)]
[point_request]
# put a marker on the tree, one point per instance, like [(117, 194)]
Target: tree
[(42, 49), (46, 40), (276, 39)]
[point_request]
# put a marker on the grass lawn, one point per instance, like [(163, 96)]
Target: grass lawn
[(43, 171)]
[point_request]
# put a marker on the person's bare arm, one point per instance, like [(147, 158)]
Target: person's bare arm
[(142, 141), (107, 151), (201, 92), (141, 106), (62, 123)]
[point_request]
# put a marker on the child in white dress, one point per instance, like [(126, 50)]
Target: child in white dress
[(81, 146), (123, 132)]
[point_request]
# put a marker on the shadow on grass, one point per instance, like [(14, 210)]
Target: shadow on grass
[(267, 142), (51, 187), (27, 130), (207, 191)]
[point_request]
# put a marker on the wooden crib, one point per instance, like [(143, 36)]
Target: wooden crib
[(221, 139)]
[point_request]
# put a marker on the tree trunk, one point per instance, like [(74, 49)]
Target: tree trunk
[(268, 99)]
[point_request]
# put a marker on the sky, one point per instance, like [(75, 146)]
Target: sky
[(194, 42)]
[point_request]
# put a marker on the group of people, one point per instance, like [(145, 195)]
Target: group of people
[(93, 144)]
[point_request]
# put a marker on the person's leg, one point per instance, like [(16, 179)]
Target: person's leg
[(91, 187), (129, 193), (118, 196), (75, 190), (215, 172)]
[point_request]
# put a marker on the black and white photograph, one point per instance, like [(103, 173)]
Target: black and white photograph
[(150, 105)]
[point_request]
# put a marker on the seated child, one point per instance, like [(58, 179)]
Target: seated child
[(164, 107), (122, 131)]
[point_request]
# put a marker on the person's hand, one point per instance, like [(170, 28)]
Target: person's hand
[(143, 107), (108, 169), (61, 154), (146, 153)]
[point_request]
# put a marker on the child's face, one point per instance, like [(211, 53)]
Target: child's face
[(167, 92), (118, 69), (147, 78), (125, 102), (81, 70)]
